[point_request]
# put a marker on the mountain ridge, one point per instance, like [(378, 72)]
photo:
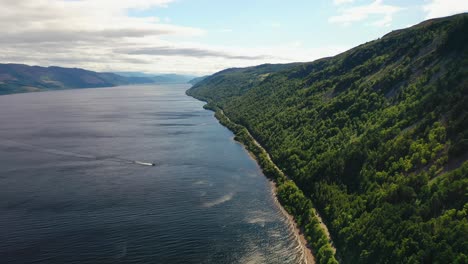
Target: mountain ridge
[(20, 78), (160, 78), (374, 137)]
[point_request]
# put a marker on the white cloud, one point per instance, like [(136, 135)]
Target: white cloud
[(271, 24), (340, 2), (441, 8), (225, 30), (100, 35), (364, 12), (187, 52), (84, 17)]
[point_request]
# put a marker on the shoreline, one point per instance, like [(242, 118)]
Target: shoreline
[(307, 254), (318, 231)]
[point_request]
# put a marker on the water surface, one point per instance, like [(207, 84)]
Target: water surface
[(70, 194)]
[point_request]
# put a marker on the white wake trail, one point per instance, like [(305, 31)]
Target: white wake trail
[(58, 152)]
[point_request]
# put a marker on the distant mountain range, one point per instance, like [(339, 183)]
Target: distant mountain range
[(20, 78), (160, 78)]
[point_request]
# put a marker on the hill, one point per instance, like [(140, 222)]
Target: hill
[(18, 78), (197, 80), (376, 139)]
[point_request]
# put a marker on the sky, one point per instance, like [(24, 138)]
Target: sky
[(198, 37)]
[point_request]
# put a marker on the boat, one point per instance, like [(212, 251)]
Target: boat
[(144, 163)]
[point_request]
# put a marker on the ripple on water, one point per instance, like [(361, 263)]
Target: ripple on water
[(65, 199)]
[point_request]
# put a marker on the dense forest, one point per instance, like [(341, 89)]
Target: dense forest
[(375, 139)]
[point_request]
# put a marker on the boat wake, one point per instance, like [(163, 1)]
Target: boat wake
[(144, 163), (37, 148)]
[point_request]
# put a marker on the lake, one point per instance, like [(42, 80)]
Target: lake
[(70, 191)]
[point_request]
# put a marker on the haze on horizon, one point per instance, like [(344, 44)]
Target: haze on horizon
[(198, 37)]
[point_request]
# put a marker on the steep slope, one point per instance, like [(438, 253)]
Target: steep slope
[(235, 81), (16, 78), (377, 137)]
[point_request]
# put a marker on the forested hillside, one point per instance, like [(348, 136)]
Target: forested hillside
[(376, 137), (20, 78)]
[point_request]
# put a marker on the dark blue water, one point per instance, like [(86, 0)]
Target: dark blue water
[(70, 194)]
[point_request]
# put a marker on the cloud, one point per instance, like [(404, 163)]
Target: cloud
[(271, 24), (188, 52), (83, 33), (364, 12), (84, 18), (58, 35), (340, 2), (101, 35), (275, 24), (441, 8), (225, 30)]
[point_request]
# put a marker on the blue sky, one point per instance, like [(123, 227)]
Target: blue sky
[(259, 23), (199, 36)]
